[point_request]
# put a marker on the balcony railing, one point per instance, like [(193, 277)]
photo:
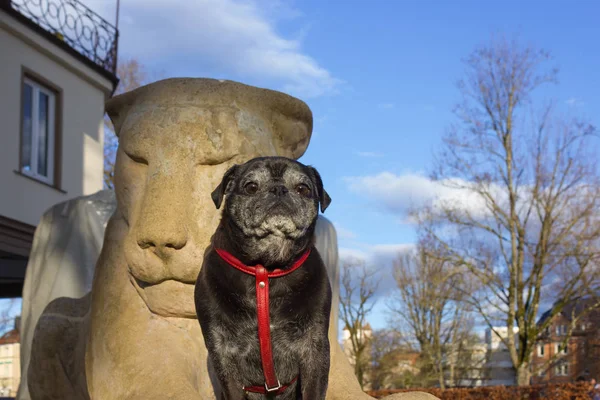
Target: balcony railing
[(75, 24)]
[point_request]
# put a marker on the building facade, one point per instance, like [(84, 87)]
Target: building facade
[(569, 348), (10, 363), (364, 335), (468, 367), (499, 368), (54, 84)]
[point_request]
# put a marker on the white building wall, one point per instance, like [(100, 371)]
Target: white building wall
[(499, 365), (82, 91), (10, 369)]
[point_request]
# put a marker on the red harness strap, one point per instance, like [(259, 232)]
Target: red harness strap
[(263, 389), (272, 384)]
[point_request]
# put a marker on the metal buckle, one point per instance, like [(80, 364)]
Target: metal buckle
[(276, 388)]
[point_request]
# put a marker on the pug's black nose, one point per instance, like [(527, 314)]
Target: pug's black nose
[(279, 190)]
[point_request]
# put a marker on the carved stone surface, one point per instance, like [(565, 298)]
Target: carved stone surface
[(65, 249), (135, 335)]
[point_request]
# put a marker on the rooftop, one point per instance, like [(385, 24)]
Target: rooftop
[(10, 337), (575, 308)]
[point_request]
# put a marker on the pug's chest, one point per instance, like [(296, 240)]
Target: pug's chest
[(288, 328), (285, 321)]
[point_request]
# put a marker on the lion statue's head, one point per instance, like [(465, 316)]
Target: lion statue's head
[(177, 137)]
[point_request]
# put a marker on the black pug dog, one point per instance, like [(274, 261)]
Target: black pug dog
[(263, 297)]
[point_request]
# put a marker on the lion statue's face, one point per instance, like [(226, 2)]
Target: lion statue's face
[(177, 138), (163, 176)]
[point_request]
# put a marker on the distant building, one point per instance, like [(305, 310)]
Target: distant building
[(398, 369), (55, 78), (558, 362), (10, 365), (470, 366), (364, 334), (499, 367), (406, 361)]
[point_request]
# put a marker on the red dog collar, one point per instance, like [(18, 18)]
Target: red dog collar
[(272, 384)]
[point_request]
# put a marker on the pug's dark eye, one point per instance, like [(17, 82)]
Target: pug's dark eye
[(303, 190), (251, 187)]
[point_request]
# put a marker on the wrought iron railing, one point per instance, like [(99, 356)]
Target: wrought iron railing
[(77, 25)]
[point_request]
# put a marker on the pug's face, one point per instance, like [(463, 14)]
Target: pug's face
[(274, 203)]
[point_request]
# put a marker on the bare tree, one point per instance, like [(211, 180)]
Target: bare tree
[(357, 292), (132, 74), (525, 210), (428, 303), (385, 343), (7, 314)]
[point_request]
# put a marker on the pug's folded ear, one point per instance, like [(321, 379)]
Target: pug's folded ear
[(224, 187), (324, 198)]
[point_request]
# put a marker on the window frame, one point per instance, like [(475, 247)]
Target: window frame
[(561, 330), (541, 350), (53, 158), (558, 370), (561, 350)]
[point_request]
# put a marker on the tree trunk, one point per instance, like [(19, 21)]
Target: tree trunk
[(441, 378), (440, 368), (523, 375), (358, 369), (452, 369)]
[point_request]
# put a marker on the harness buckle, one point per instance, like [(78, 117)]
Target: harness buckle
[(273, 389)]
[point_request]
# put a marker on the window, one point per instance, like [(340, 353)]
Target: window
[(561, 330), (585, 326), (560, 349), (562, 369), (38, 131), (540, 350)]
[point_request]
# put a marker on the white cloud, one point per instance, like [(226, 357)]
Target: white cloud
[(400, 193), (574, 102), (346, 253), (392, 250), (236, 37), (379, 257), (344, 233), (380, 254)]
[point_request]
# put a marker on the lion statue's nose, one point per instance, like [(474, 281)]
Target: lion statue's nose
[(163, 237), (161, 224), (163, 244)]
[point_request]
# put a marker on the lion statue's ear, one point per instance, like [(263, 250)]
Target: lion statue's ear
[(224, 187), (118, 107)]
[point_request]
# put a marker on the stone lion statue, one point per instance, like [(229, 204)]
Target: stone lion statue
[(135, 334)]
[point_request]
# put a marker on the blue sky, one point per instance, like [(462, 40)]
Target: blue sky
[(379, 77)]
